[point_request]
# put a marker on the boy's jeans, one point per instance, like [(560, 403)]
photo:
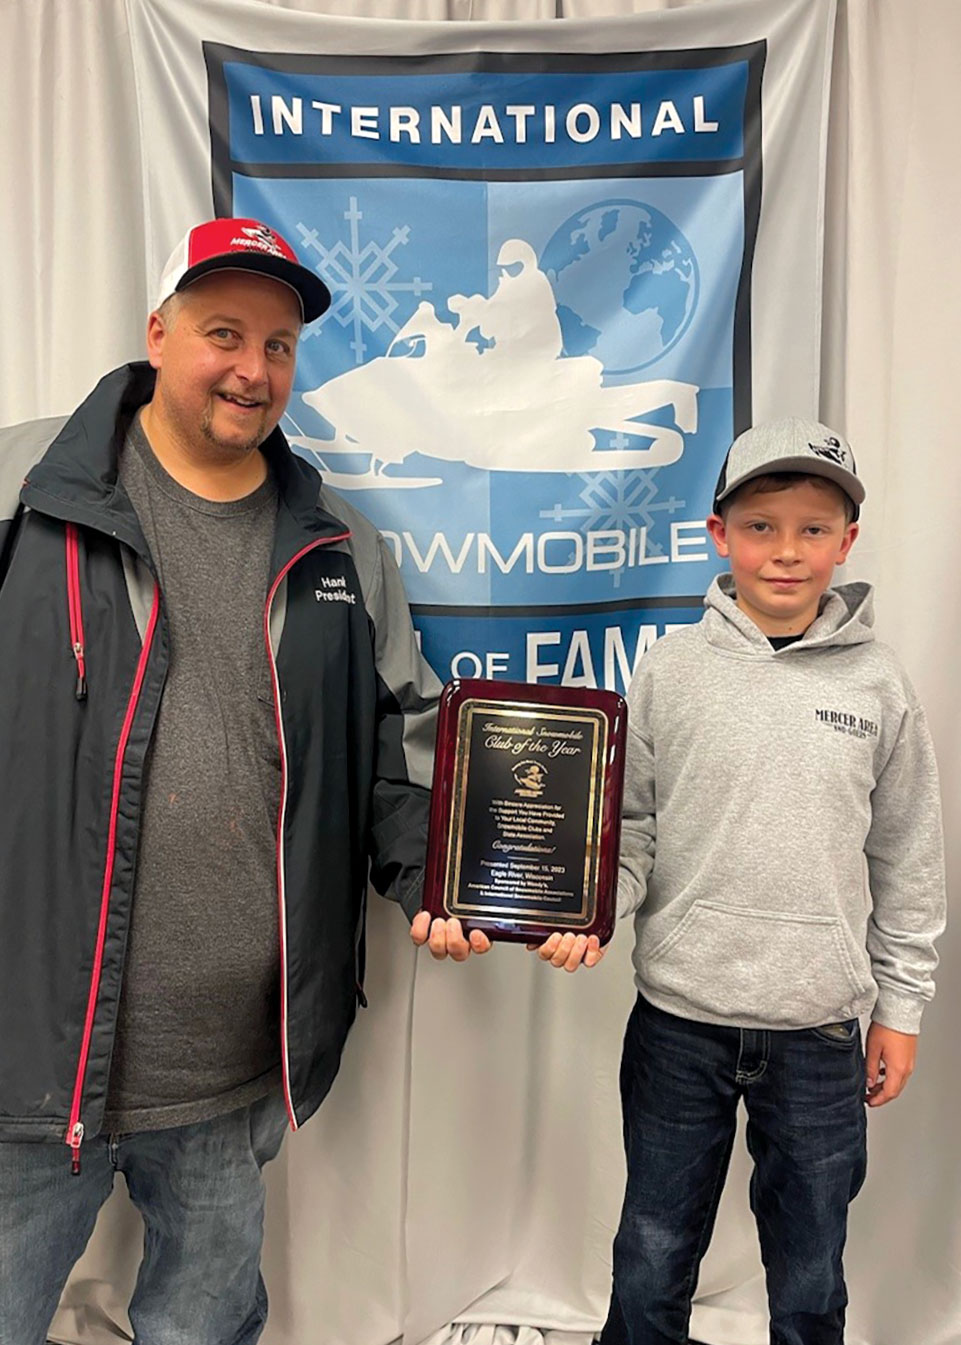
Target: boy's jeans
[(680, 1086), (200, 1192)]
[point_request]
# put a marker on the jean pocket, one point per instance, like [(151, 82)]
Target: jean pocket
[(843, 1035)]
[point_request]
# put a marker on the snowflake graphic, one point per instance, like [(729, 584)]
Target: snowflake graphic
[(618, 501), (361, 280)]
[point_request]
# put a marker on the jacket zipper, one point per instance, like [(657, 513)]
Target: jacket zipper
[(281, 817), (74, 1136), (75, 608), (75, 1128)]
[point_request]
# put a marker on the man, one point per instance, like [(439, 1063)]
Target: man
[(214, 723)]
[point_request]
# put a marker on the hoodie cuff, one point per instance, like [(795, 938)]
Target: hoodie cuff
[(898, 1011), (630, 895)]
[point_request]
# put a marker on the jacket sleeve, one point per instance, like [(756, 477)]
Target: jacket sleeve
[(639, 821), (407, 694), (905, 856), (405, 718)]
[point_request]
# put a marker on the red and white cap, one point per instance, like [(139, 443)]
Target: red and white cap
[(241, 245)]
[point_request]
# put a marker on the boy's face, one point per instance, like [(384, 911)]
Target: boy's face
[(782, 547)]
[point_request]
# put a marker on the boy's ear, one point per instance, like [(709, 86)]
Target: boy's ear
[(850, 537), (718, 531)]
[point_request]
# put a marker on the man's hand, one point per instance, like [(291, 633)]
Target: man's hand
[(445, 938), (889, 1057), (569, 951)]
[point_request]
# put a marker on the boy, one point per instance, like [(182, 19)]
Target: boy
[(777, 755)]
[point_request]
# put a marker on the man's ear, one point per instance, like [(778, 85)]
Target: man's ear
[(850, 537), (718, 530), (156, 331)]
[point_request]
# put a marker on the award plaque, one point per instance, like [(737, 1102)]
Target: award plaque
[(526, 809)]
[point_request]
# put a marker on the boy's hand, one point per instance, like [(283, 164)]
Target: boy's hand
[(445, 938), (889, 1057), (569, 950)]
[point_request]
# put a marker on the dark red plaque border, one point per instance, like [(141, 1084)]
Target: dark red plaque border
[(611, 782)]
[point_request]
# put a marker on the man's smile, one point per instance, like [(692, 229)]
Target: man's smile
[(245, 403)]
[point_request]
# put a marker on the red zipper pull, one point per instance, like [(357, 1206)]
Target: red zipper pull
[(75, 1140), (81, 691)]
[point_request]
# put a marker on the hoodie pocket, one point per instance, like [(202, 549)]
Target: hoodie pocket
[(738, 963)]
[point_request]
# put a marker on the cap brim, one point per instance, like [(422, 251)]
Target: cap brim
[(310, 289), (808, 466)]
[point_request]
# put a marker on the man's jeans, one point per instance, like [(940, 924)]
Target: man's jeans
[(200, 1192), (680, 1086)]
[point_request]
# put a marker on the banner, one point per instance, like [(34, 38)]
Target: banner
[(542, 262)]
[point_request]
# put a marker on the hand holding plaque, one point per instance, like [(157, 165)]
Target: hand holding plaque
[(526, 810)]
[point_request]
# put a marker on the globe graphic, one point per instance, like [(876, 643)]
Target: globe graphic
[(625, 280)]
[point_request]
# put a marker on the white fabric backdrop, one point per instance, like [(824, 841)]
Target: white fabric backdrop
[(391, 1213)]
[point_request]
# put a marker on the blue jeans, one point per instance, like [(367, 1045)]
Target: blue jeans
[(681, 1082), (200, 1192)]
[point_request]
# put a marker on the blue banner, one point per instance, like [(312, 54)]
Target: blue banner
[(538, 349)]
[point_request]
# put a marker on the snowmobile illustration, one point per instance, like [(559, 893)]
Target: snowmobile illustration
[(493, 390)]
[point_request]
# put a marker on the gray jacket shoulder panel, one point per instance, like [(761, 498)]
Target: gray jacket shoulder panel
[(20, 447)]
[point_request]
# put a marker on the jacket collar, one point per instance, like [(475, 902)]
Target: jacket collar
[(76, 479)]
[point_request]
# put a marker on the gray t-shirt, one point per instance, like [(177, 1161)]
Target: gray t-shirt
[(198, 1032)]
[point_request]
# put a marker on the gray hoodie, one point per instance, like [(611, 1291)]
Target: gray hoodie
[(781, 844)]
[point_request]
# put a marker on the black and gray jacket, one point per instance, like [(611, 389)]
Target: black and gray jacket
[(85, 654)]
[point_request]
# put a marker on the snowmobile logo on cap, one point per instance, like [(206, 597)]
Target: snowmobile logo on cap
[(832, 450), (263, 237)]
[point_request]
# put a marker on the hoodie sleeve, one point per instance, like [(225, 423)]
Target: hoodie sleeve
[(905, 856), (638, 824)]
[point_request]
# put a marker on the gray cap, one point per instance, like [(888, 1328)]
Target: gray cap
[(790, 445)]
